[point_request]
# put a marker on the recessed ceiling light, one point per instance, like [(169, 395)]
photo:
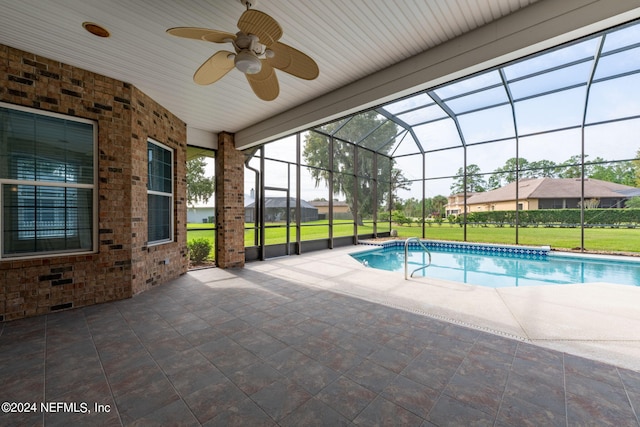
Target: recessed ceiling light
[(96, 29)]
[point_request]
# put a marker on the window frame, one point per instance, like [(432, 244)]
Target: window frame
[(170, 196), (93, 187)]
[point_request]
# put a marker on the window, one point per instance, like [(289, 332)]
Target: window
[(47, 176), (159, 193)]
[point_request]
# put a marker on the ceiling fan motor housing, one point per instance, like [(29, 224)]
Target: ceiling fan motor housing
[(247, 62)]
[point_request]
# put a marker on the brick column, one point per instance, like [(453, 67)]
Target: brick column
[(229, 203)]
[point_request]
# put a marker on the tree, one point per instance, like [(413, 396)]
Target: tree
[(572, 168), (350, 165), (398, 182), (633, 203), (507, 173), (621, 173), (475, 182), (542, 169), (636, 165), (438, 203), (199, 187)]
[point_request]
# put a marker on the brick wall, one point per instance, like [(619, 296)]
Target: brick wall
[(152, 265), (125, 116), (229, 203)]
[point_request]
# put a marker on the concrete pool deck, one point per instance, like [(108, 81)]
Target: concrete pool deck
[(599, 321)]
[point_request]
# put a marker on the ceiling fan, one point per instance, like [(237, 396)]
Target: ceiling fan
[(257, 53)]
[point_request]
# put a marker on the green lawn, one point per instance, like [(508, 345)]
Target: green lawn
[(596, 239)]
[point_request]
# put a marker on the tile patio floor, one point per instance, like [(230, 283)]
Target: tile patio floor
[(252, 348)]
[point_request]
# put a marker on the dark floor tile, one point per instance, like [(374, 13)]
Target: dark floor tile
[(203, 336), (138, 377), (227, 355), (188, 359), (590, 387), (444, 345), (136, 359), (406, 345), (312, 376), (347, 397), (451, 412), (433, 371), (254, 378), (259, 343), (193, 326), (21, 418), (280, 398), (213, 400), (233, 326), (168, 347), (358, 345), (630, 379), (313, 326), (543, 356), (143, 401), (288, 359), (289, 335), (461, 333), (214, 316), (312, 345), (475, 394), (575, 365), (391, 359), (497, 343), (106, 418), (21, 388), (584, 410), (538, 371), (411, 395), (245, 413), (192, 379), (77, 385), (339, 359), (540, 393), (372, 376), (314, 413), (382, 412), (521, 412), (177, 414)]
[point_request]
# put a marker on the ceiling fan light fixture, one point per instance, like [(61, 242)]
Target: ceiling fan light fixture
[(248, 63)]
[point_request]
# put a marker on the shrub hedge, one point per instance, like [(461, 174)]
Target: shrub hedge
[(556, 218)]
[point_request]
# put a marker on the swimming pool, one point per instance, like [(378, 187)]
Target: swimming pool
[(501, 266)]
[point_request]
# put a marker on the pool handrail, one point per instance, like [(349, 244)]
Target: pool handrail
[(406, 257)]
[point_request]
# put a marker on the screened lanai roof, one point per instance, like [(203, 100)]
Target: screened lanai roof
[(594, 80)]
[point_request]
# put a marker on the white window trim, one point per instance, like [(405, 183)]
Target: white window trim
[(94, 187), (171, 197)]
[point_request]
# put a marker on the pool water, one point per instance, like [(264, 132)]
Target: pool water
[(499, 270)]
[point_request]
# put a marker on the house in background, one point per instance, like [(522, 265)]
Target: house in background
[(552, 193), (276, 210), (341, 209), (202, 213), (455, 204)]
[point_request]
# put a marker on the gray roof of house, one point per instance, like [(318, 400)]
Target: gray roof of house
[(281, 202)]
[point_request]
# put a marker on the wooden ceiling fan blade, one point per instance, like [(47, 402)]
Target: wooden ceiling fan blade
[(262, 25), (214, 68), (265, 83), (201, 34), (292, 61)]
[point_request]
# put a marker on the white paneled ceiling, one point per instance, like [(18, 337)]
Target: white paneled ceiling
[(349, 40)]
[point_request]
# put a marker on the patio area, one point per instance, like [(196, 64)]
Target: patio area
[(318, 339)]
